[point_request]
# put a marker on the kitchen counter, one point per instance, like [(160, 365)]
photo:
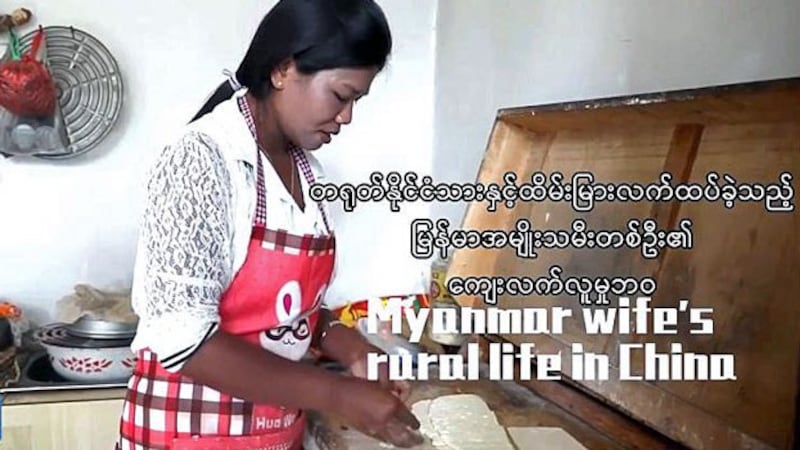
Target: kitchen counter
[(42, 410), (70, 419), (38, 383), (75, 394), (514, 406)]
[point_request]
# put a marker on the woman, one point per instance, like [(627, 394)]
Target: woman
[(234, 257)]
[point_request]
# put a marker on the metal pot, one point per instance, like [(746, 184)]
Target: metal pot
[(86, 359), (87, 327)]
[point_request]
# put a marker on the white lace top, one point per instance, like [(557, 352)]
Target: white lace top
[(196, 227)]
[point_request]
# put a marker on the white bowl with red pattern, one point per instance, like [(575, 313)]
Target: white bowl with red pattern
[(87, 360)]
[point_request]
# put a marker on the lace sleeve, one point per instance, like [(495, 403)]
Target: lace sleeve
[(186, 246)]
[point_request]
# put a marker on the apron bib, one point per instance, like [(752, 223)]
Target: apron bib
[(273, 302)]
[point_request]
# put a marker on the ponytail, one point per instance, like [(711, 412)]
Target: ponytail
[(224, 92)]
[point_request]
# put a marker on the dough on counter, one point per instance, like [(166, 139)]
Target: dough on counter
[(465, 422), (543, 438), (421, 411), (460, 422)]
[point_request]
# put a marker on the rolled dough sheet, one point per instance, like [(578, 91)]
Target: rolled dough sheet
[(543, 438), (421, 411), (465, 422), (460, 422)]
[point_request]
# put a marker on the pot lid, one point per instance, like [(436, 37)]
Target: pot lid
[(87, 327)]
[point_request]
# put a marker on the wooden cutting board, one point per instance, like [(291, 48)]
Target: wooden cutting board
[(741, 267)]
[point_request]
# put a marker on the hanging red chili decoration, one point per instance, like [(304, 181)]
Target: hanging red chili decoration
[(26, 87)]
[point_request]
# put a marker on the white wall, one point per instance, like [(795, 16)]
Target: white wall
[(75, 221), (497, 54)]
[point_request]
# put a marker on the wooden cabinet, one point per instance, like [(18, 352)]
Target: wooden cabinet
[(75, 425), (742, 267)]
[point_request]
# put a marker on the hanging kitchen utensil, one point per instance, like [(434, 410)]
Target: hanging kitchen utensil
[(89, 91)]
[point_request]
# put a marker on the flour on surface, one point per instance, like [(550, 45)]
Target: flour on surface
[(465, 422), (461, 422)]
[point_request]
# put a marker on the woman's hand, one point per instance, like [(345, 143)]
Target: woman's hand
[(349, 347), (376, 408), (376, 412)]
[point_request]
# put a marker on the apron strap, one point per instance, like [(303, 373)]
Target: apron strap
[(305, 167), (298, 158)]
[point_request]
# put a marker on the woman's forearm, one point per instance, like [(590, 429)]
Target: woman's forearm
[(344, 344), (238, 368)]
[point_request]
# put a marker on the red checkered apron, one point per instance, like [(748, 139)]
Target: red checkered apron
[(273, 302)]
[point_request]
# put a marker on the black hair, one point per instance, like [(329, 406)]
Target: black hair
[(317, 35)]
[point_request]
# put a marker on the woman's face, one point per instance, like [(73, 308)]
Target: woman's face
[(310, 109)]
